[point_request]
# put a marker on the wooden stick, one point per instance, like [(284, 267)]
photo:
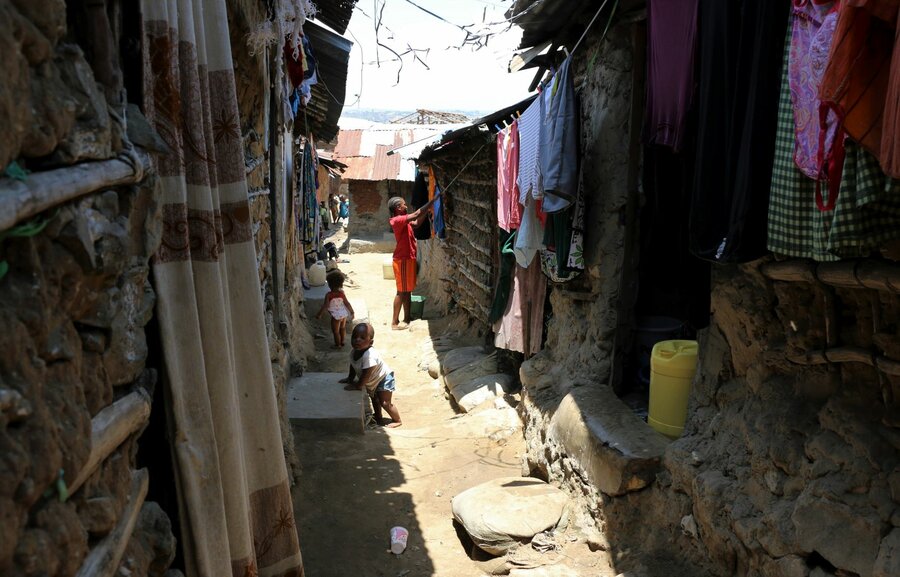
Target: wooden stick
[(104, 559), (476, 203), (43, 190), (790, 270), (836, 355), (109, 429), (845, 274)]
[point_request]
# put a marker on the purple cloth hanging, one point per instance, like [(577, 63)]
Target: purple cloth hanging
[(672, 40), (811, 36)]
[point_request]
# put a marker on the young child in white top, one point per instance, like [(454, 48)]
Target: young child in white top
[(338, 307), (368, 369)]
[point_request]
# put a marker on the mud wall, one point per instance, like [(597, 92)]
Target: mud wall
[(74, 305), (470, 215), (290, 341), (785, 469)]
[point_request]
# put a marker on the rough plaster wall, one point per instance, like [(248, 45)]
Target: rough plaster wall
[(434, 275), (582, 330)]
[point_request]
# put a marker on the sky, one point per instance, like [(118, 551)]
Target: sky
[(460, 78)]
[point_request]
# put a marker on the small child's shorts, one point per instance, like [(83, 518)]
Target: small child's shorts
[(387, 384)]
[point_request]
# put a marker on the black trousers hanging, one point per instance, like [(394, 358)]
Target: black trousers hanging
[(740, 51)]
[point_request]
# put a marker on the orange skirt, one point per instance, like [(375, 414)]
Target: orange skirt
[(405, 275)]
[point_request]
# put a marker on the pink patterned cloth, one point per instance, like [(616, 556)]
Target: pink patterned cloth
[(509, 211), (811, 37)]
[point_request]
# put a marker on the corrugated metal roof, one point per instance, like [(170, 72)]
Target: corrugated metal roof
[(332, 54), (335, 13), (365, 152)]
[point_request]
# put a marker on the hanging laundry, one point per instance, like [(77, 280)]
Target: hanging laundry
[(311, 220), (310, 68), (419, 198), (509, 211), (741, 48), (866, 212), (529, 129), (671, 43), (294, 65), (522, 326), (432, 182), (558, 148), (555, 255), (437, 217), (530, 236), (857, 79), (563, 258), (505, 240), (576, 249), (812, 30)]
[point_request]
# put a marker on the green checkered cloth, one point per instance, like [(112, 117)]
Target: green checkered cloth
[(867, 212)]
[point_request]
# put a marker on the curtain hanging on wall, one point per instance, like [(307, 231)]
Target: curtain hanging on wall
[(236, 511)]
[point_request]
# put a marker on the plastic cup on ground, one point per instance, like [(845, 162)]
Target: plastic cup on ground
[(399, 535)]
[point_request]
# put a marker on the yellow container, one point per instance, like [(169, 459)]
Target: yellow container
[(387, 268), (672, 368)]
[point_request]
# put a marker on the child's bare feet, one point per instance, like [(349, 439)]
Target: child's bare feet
[(392, 425)]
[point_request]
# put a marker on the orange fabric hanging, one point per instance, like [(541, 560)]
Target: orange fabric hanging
[(856, 80)]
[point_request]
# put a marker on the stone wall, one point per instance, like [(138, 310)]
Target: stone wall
[(73, 306)]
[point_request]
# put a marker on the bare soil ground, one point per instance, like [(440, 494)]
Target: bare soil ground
[(354, 488)]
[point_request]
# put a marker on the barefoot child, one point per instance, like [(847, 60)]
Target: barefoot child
[(338, 307), (370, 371)]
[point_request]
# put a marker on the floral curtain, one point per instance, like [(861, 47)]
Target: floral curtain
[(236, 510)]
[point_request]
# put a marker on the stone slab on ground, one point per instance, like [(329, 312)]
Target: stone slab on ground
[(372, 244), (470, 394), (460, 357), (503, 513), (317, 401)]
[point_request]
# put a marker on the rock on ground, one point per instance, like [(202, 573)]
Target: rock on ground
[(502, 513)]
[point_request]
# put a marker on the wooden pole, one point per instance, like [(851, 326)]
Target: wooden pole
[(109, 429), (855, 274), (104, 559), (42, 190)]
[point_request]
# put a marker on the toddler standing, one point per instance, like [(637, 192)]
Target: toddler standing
[(338, 307)]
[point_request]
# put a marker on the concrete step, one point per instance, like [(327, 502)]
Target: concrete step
[(318, 401)]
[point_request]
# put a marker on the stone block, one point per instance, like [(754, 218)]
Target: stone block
[(473, 393), (618, 452), (828, 526), (887, 564), (318, 401)]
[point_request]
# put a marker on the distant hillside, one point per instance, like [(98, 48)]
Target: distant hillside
[(385, 116)]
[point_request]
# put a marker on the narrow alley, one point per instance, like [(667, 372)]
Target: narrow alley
[(615, 285)]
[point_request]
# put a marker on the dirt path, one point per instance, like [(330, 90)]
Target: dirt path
[(354, 488)]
